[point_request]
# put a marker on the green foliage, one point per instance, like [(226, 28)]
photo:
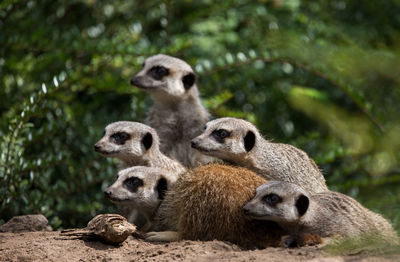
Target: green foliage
[(322, 75), (368, 245)]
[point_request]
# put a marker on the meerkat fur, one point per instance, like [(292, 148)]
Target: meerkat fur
[(206, 204), (331, 215), (177, 112), (239, 142), (140, 188), (136, 144)]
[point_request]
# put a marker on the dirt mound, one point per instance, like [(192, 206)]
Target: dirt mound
[(52, 246), (25, 223)]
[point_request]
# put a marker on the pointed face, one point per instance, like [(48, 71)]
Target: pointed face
[(278, 201), (227, 138), (126, 140), (139, 187), (165, 77)]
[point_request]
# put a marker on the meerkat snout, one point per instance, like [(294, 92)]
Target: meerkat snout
[(194, 144), (97, 148), (107, 193)]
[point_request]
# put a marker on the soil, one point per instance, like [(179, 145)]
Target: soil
[(52, 246)]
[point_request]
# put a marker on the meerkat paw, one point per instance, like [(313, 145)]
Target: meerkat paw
[(301, 240), (165, 236)]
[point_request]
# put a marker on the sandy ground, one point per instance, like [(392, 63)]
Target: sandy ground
[(51, 246)]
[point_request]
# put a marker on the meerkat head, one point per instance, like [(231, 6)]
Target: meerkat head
[(128, 141), (227, 138), (140, 187), (278, 201), (165, 77)]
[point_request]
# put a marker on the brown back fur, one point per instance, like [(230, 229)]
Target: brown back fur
[(207, 204)]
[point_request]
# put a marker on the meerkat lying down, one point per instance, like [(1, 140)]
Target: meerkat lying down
[(331, 215), (206, 204), (239, 142), (177, 114), (140, 188)]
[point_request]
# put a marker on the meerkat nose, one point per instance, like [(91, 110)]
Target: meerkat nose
[(134, 81), (97, 148), (246, 210), (194, 144), (107, 193)]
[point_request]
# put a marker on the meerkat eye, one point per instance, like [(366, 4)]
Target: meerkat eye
[(158, 72), (272, 199), (133, 183), (120, 138), (220, 134)]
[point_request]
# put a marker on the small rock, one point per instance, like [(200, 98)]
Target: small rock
[(25, 224)]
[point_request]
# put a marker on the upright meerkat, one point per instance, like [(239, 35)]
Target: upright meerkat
[(238, 141), (329, 214), (140, 188), (136, 144), (177, 113), (206, 204)]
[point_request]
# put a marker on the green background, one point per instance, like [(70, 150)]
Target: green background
[(322, 75)]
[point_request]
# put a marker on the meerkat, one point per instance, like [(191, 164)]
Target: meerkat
[(239, 142), (177, 113), (331, 215), (140, 188), (136, 144), (206, 204)]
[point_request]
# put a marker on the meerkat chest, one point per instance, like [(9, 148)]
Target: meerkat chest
[(176, 124)]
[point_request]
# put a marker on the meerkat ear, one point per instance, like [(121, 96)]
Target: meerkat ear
[(188, 80), (249, 141), (147, 140), (161, 187), (302, 204)]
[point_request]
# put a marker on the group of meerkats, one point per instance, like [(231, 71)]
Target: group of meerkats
[(186, 177)]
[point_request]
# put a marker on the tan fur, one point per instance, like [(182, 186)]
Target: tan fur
[(274, 161), (206, 203), (329, 214), (177, 113), (144, 198), (133, 151)]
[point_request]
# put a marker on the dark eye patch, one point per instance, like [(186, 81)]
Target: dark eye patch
[(133, 183), (158, 72), (272, 199), (120, 138), (220, 135)]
